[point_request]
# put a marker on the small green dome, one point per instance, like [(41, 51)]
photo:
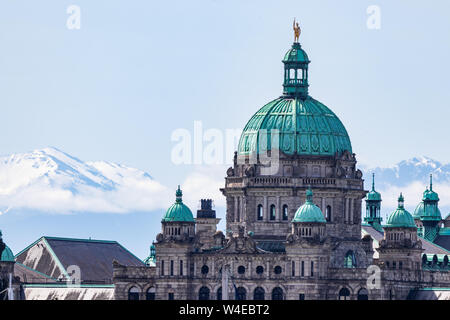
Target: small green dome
[(400, 218), (305, 126), (309, 212), (6, 254), (373, 195), (178, 211), (296, 54)]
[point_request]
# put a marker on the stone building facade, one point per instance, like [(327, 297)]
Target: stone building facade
[(293, 220)]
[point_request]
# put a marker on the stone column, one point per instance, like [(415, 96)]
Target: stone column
[(266, 210), (278, 209)]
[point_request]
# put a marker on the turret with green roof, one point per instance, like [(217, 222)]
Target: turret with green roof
[(427, 213), (6, 254), (373, 207)]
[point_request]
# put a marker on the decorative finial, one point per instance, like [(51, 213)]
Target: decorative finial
[(179, 194), (431, 182), (297, 31), (373, 181), (309, 195), (401, 201)]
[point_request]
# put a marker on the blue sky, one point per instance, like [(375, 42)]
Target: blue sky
[(138, 70)]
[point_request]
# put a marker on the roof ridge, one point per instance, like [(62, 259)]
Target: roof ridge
[(78, 239)]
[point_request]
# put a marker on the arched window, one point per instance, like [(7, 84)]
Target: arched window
[(241, 269), (272, 212), (277, 270), (205, 269), (259, 212), (285, 212), (328, 213), (363, 294), (344, 294), (241, 293), (150, 295), (277, 293), (203, 293), (133, 293), (259, 269), (259, 293), (350, 260), (219, 294)]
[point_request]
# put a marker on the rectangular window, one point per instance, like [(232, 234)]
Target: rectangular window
[(394, 265), (171, 296), (181, 267), (400, 265), (312, 268), (303, 268), (171, 267), (301, 296), (293, 268), (162, 267)]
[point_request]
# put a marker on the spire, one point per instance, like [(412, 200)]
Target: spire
[(431, 182), (373, 181)]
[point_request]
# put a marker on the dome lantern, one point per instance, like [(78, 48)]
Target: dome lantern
[(296, 63)]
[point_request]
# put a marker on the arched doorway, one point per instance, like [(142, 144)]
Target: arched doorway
[(259, 293), (150, 295), (219, 294), (133, 293), (344, 294), (277, 293), (241, 293), (203, 293), (363, 294)]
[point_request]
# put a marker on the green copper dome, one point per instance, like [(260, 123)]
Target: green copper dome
[(400, 218), (309, 212), (6, 254), (373, 195), (305, 126), (178, 212)]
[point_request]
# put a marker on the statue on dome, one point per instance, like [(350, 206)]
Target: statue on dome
[(297, 31)]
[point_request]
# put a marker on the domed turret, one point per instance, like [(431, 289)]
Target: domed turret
[(178, 211), (309, 212), (427, 214), (6, 254), (400, 218), (373, 207)]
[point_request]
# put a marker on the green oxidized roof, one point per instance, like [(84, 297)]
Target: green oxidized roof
[(428, 208), (6, 254), (373, 195), (306, 127), (296, 54), (309, 212), (400, 218), (178, 211)]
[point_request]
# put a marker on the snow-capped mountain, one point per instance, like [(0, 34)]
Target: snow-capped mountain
[(407, 171), (411, 177), (52, 180)]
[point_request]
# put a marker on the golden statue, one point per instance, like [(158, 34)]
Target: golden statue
[(297, 31)]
